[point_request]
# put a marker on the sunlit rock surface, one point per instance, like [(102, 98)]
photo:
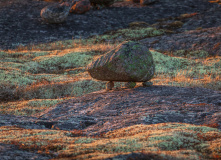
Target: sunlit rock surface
[(130, 61)]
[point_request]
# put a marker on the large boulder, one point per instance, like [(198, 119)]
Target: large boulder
[(128, 62), (81, 7), (56, 13)]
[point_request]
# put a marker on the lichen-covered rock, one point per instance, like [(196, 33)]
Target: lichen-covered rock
[(128, 62), (105, 3), (146, 2), (81, 7), (56, 13)]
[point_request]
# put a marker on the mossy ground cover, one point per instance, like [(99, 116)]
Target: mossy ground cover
[(168, 140), (37, 77), (187, 72)]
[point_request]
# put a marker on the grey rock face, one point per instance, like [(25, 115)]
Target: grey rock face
[(128, 62), (56, 13)]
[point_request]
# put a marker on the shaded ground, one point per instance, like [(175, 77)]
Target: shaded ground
[(21, 24), (7, 152)]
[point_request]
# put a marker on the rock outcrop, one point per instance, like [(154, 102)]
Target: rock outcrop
[(128, 62)]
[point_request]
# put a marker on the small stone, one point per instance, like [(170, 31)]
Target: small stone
[(147, 84), (109, 85), (130, 84)]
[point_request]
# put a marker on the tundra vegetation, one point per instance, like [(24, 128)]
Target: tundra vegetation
[(34, 78)]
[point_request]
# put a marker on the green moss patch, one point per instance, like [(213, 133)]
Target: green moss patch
[(184, 72), (19, 71), (62, 62), (129, 34), (168, 65)]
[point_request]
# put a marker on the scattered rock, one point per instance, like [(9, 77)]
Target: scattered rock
[(27, 27), (55, 13), (128, 62), (81, 7)]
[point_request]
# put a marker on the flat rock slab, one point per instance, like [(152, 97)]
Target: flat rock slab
[(105, 111), (155, 104)]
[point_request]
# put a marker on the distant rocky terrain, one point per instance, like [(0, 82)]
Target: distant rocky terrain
[(21, 23)]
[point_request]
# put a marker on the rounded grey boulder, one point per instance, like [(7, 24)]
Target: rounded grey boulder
[(56, 13), (129, 62)]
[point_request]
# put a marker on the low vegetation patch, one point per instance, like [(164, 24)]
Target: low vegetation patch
[(187, 72), (168, 140)]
